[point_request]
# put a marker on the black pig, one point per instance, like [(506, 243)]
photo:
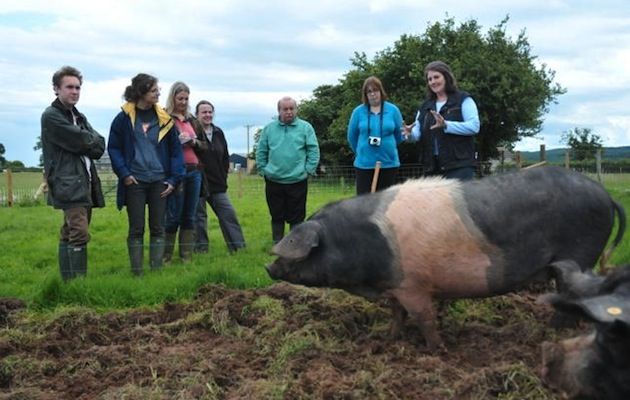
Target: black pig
[(597, 365), (436, 238)]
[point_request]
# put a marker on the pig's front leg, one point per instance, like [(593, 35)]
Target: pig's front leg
[(399, 314), (420, 308)]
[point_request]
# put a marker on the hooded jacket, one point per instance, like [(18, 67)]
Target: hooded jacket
[(120, 147)]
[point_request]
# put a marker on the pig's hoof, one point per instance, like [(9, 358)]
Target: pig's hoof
[(438, 350)]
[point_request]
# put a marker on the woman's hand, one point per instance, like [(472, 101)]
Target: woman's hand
[(184, 138), (130, 180), (440, 122), (168, 190), (407, 129)]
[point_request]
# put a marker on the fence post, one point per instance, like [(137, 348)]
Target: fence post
[(598, 161), (240, 182), (543, 153), (566, 159), (501, 158), (517, 160), (9, 188)]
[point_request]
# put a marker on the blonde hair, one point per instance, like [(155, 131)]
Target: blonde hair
[(177, 88)]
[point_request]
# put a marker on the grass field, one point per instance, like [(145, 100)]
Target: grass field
[(29, 236), (29, 271)]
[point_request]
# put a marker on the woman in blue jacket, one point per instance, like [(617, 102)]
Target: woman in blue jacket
[(147, 157), (374, 132)]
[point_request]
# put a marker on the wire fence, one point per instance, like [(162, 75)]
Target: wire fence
[(337, 179)]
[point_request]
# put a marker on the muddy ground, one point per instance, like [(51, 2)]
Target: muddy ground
[(281, 342)]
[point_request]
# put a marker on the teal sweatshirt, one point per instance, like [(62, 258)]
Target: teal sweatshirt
[(287, 153)]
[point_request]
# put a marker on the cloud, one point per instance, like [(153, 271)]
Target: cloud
[(244, 55)]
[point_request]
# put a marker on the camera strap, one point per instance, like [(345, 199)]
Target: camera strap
[(369, 115)]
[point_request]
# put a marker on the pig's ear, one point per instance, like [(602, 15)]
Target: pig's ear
[(299, 242), (606, 309)]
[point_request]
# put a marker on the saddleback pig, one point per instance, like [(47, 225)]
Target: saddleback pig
[(435, 238), (596, 365)]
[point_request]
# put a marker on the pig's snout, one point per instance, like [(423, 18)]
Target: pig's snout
[(550, 357)]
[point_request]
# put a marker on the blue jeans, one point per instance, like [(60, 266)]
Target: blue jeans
[(181, 206)]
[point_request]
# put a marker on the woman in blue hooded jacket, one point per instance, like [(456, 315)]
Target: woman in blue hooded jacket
[(147, 157)]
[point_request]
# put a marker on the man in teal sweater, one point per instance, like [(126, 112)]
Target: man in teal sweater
[(287, 154)]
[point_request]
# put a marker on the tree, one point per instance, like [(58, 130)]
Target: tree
[(38, 146), (583, 143), (16, 165), (3, 160), (511, 91)]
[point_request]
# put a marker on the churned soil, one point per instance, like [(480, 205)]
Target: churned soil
[(280, 342)]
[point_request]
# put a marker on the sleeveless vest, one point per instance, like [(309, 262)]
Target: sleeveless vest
[(454, 151)]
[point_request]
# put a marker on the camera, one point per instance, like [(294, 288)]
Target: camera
[(374, 140)]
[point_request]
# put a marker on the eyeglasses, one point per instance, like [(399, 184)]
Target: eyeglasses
[(372, 91), (77, 87)]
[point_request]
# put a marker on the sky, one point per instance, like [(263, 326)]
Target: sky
[(245, 55)]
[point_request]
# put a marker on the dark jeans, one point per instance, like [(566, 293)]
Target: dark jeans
[(181, 206), (139, 195), (286, 201), (228, 222), (463, 174), (386, 178), (76, 221)]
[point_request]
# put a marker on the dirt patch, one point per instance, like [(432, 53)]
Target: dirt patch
[(282, 342)]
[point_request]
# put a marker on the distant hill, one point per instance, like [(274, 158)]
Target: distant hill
[(557, 155)]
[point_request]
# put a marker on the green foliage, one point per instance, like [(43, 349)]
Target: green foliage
[(2, 159), (14, 164), (37, 147), (583, 143), (511, 91)]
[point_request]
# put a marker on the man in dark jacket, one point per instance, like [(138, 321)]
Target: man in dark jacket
[(70, 146)]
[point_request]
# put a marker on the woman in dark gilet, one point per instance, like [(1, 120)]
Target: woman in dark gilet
[(445, 126)]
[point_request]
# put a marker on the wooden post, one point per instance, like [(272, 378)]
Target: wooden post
[(9, 188), (566, 159), (543, 153), (598, 161), (377, 170), (240, 182), (517, 160)]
